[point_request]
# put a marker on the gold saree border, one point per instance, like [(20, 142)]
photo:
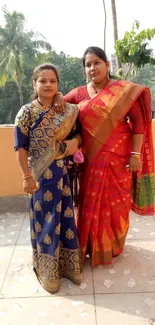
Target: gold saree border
[(50, 269), (58, 133)]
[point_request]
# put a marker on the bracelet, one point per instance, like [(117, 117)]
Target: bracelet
[(136, 156), (135, 153), (26, 176)]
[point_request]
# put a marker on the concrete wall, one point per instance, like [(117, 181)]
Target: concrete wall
[(10, 175)]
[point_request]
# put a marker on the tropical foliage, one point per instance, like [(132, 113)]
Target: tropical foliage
[(133, 49), (20, 52)]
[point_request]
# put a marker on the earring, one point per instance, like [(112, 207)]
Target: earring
[(108, 74)]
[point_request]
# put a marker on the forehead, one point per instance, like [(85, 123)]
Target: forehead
[(90, 57), (47, 74)]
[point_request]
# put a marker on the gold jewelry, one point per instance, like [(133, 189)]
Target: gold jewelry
[(95, 90), (136, 156), (136, 153), (26, 176)]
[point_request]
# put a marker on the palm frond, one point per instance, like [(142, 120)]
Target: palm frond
[(39, 44)]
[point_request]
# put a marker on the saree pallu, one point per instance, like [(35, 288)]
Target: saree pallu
[(54, 239), (106, 186)]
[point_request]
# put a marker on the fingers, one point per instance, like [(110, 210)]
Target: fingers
[(133, 169), (30, 190), (59, 108), (70, 164), (67, 153)]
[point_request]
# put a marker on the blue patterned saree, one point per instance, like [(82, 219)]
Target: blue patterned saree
[(52, 223)]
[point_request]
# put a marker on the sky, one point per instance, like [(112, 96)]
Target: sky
[(73, 25)]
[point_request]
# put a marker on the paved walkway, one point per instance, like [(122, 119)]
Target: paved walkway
[(123, 293)]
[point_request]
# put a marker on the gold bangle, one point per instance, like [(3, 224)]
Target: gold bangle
[(26, 177), (135, 153), (135, 156)]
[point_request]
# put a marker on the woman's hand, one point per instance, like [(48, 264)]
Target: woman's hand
[(135, 164), (59, 103), (29, 185), (72, 146)]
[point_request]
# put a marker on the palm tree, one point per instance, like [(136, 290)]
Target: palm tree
[(115, 28), (105, 24), (15, 45)]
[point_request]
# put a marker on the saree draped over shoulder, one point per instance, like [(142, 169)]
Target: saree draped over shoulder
[(52, 224), (107, 190)]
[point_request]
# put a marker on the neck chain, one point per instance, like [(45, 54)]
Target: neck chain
[(95, 90), (42, 104)]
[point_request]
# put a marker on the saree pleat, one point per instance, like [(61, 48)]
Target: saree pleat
[(53, 230), (104, 205)]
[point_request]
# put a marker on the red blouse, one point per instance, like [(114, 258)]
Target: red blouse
[(135, 113)]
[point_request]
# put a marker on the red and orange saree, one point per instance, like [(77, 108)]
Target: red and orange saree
[(107, 190)]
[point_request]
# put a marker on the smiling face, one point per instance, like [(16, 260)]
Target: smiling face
[(95, 68), (46, 84)]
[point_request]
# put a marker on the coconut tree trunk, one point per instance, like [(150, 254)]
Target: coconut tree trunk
[(19, 80), (20, 92), (105, 24), (115, 28)]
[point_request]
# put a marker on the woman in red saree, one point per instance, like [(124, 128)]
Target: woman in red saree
[(118, 172)]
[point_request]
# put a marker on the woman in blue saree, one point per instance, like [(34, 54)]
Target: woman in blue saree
[(39, 135)]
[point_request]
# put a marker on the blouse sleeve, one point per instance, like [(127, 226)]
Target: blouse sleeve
[(22, 127), (71, 97), (136, 117)]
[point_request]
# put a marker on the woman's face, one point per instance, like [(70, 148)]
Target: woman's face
[(46, 85), (95, 68)]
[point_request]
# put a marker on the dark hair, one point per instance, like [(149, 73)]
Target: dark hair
[(45, 66), (38, 69), (94, 50)]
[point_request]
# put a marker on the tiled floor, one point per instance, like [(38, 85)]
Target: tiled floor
[(123, 293)]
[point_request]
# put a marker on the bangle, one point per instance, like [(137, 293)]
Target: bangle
[(135, 153), (136, 156), (25, 176)]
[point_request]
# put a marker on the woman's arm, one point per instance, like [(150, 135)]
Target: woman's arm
[(73, 97), (29, 184), (137, 141), (21, 155), (21, 144), (138, 127), (74, 140)]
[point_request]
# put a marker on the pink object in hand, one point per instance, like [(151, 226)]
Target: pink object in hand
[(78, 157)]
